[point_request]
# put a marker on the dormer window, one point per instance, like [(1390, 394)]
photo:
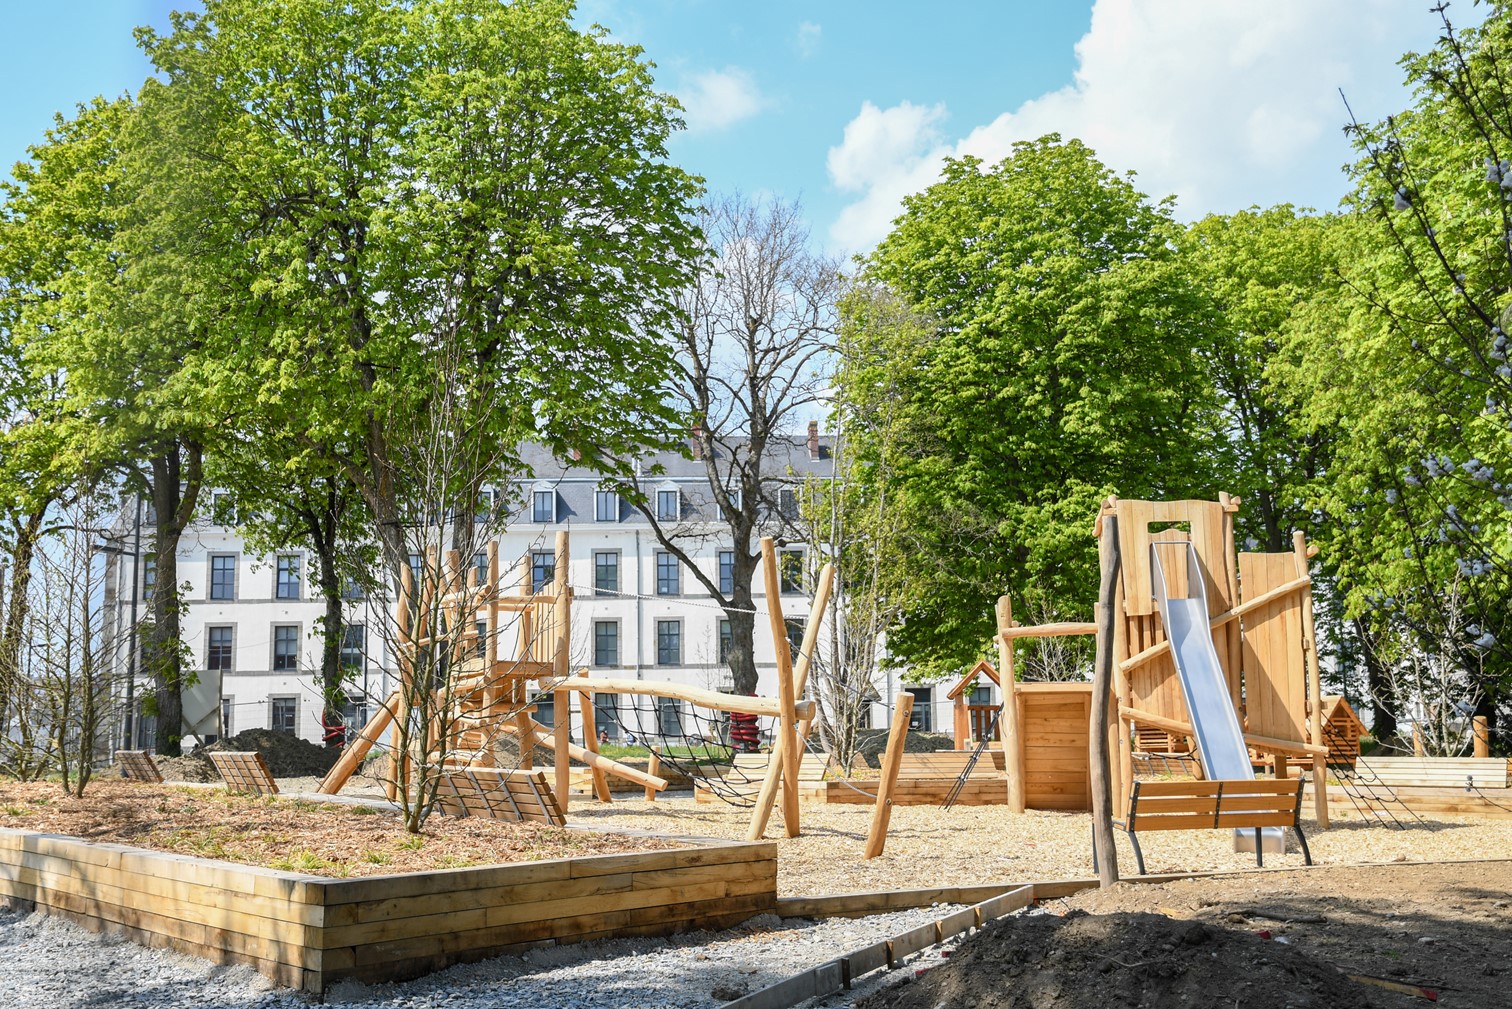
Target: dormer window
[(668, 505), (606, 506), (543, 506)]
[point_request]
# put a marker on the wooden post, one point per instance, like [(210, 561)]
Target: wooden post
[(876, 838), (523, 721), (561, 645), (962, 725), (590, 741), (1314, 687), (1418, 749), (762, 812), (404, 611), (654, 769), (356, 749), (1102, 717), (1008, 721), (786, 751), (1480, 728)]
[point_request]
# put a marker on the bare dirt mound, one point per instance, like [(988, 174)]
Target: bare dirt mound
[(1122, 960), (287, 755)]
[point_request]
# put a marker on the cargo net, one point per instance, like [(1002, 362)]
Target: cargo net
[(725, 753)]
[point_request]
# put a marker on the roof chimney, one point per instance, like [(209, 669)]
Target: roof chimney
[(696, 441), (813, 439)]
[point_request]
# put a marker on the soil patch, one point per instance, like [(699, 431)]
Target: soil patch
[(1264, 939), (322, 839)]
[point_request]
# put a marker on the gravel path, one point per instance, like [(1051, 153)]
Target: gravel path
[(49, 963)]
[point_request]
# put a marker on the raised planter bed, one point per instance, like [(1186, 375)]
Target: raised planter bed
[(308, 931)]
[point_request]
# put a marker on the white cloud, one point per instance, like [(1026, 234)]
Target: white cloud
[(1224, 104), (808, 38), (717, 99)]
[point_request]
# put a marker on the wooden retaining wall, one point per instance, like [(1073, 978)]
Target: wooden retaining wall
[(919, 792), (309, 931)]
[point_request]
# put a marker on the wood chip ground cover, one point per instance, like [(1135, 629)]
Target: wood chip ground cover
[(299, 836)]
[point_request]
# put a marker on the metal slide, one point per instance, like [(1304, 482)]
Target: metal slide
[(1215, 723)]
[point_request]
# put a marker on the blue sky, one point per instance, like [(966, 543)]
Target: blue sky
[(850, 104)]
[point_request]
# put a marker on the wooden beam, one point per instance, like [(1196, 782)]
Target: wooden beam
[(561, 706), (598, 760), (1060, 630), (786, 749), (1100, 719), (590, 741), (1314, 685), (762, 811), (693, 695), (876, 837), (1008, 720), (356, 749), (1270, 744)]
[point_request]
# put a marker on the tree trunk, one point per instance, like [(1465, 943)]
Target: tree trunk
[(175, 489), (331, 672), (12, 632)]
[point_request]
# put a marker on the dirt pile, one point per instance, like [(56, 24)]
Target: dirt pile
[(1123, 961), (872, 743), (287, 755)]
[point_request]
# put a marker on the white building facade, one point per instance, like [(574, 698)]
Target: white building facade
[(253, 625)]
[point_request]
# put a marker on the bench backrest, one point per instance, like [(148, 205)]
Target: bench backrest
[(1194, 805), (244, 772), (138, 765), (498, 794)]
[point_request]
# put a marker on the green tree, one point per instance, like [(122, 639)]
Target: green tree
[(398, 183), (1062, 368), (1410, 365)]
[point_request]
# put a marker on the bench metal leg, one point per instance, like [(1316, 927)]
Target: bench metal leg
[(1302, 839), (1138, 855), (1259, 849)]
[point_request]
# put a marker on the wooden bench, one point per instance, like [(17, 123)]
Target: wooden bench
[(1198, 805), (138, 765), (498, 795), (949, 764), (1433, 772), (748, 771), (245, 773)]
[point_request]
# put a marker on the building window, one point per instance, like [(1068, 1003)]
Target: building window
[(606, 649), (795, 627), (669, 642), (227, 707), (922, 719), (480, 567), (286, 585), (218, 649), (668, 580), (222, 510), (726, 641), (480, 638), (790, 566), (737, 498), (222, 576), (787, 503), (149, 575), (417, 570), (283, 714), (727, 572), (285, 649), (353, 644), (669, 716), (351, 590), (543, 506), (668, 507), (545, 705), (354, 712), (606, 506), (606, 571), (542, 569)]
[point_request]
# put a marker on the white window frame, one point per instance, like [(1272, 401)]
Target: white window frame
[(606, 506), (662, 514), (535, 505)]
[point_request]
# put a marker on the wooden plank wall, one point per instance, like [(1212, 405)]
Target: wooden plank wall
[(1054, 719), (307, 931), (1275, 683)]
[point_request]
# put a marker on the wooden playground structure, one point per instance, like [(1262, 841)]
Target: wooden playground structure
[(1261, 624), (499, 641)]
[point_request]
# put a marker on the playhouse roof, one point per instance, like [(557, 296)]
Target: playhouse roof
[(966, 681), (1336, 705)]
